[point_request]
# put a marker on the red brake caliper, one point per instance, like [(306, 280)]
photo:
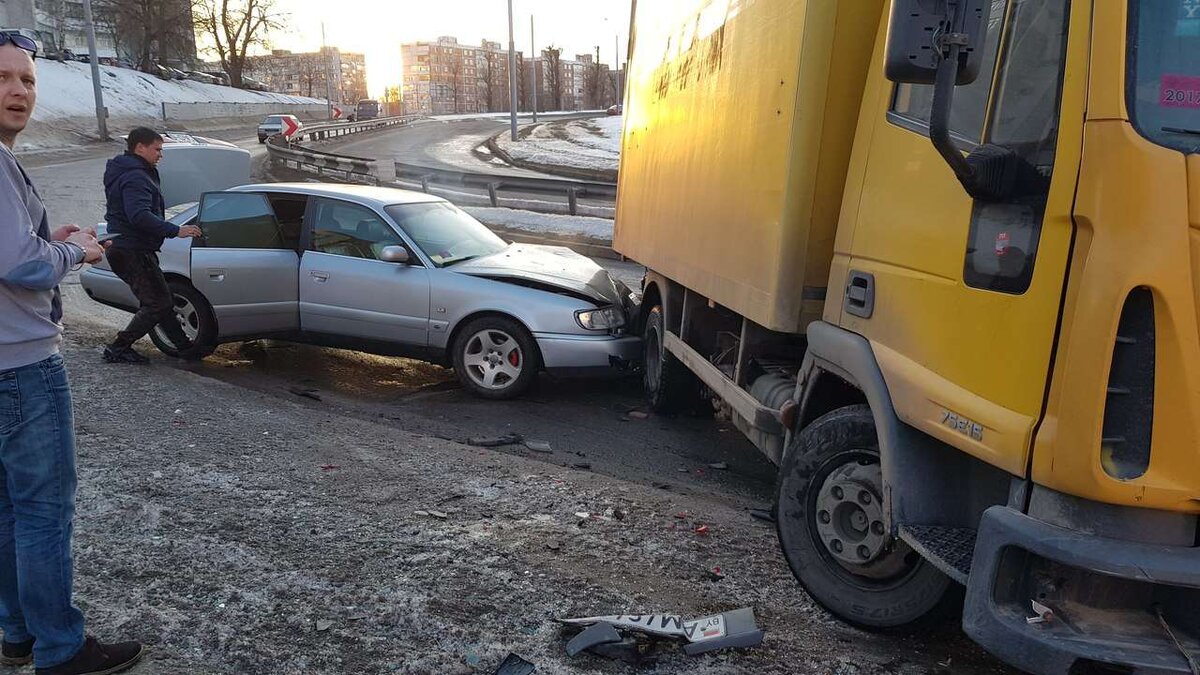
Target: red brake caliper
[(514, 357)]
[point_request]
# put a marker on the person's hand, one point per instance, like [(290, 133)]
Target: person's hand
[(92, 250), (189, 231), (61, 232)]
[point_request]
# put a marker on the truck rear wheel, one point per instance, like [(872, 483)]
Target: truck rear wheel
[(670, 387), (832, 530)]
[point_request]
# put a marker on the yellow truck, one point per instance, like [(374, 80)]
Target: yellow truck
[(940, 261)]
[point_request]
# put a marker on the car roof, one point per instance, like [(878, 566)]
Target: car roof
[(368, 195)]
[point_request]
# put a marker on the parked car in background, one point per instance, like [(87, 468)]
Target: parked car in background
[(253, 84), (196, 76), (390, 272), (274, 124), (615, 109)]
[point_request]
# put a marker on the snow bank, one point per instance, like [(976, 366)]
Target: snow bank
[(65, 113), (544, 223), (591, 144)]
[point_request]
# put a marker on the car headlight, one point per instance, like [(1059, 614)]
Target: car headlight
[(604, 318)]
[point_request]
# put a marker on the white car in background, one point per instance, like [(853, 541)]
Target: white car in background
[(274, 124)]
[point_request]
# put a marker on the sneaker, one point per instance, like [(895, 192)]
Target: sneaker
[(126, 355), (16, 653), (97, 658)]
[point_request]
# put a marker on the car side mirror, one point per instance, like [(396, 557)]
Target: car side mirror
[(394, 254)]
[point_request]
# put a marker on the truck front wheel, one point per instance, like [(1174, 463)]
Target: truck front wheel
[(832, 530), (670, 387)]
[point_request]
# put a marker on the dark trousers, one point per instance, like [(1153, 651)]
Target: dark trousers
[(140, 271)]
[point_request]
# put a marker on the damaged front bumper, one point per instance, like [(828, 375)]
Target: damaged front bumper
[(1116, 606), (587, 354)]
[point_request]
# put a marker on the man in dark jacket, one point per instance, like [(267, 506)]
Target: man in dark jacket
[(135, 211)]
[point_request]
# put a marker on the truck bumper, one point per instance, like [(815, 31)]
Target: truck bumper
[(1106, 595)]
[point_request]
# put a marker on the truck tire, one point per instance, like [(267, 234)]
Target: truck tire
[(670, 387), (831, 528), (195, 315)]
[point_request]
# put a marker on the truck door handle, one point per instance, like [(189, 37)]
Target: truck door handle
[(321, 277), (860, 294)]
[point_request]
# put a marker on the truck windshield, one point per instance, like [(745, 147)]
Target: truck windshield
[(1164, 87)]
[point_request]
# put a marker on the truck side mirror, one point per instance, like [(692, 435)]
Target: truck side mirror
[(920, 33), (939, 42)]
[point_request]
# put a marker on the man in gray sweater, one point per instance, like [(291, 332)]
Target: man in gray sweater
[(37, 436)]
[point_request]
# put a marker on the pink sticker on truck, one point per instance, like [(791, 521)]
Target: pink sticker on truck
[(1179, 91)]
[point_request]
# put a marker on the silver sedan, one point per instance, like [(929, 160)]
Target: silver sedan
[(385, 271)]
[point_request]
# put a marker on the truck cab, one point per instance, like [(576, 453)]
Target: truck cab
[(965, 325)]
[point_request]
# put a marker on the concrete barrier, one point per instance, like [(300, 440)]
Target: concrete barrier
[(190, 112)]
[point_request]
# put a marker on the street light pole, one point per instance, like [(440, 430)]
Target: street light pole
[(328, 83), (101, 114), (512, 74), (532, 63)]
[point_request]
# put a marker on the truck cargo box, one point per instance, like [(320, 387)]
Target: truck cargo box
[(738, 127)]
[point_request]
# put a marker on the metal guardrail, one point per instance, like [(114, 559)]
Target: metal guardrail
[(494, 183), (326, 130), (290, 153), (294, 156)]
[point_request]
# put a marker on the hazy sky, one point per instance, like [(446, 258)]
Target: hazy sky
[(377, 28)]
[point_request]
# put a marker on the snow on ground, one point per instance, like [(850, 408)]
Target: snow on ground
[(508, 116), (592, 144), (544, 223), (65, 113)]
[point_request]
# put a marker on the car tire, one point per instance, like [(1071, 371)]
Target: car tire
[(669, 386), (829, 510), (496, 358), (196, 316)]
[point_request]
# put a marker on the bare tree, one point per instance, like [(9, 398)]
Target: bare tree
[(456, 69), (553, 57), (150, 30), (57, 11), (234, 26)]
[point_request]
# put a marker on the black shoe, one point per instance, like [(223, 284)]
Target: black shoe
[(96, 658), (16, 653), (126, 355)]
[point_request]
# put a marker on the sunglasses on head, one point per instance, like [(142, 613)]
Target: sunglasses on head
[(19, 41)]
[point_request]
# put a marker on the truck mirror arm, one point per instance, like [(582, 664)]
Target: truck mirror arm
[(939, 115)]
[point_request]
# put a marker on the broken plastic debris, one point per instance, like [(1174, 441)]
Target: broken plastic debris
[(324, 625), (715, 574), (637, 415), (582, 514), (1044, 613), (597, 634), (719, 631), (702, 530), (514, 665), (539, 446), (439, 514), (718, 465)]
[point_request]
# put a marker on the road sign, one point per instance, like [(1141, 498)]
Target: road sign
[(290, 127), (337, 113)]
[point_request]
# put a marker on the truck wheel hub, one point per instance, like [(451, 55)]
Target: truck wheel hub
[(849, 514)]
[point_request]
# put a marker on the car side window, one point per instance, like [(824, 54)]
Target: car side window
[(289, 211), (239, 220), (351, 230)]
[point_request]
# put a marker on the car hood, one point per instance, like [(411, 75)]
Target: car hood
[(554, 266)]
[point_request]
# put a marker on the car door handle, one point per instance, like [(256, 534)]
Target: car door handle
[(321, 277), (216, 275)]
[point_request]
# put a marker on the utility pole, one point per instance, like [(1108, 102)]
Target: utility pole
[(617, 64), (597, 85), (328, 82), (101, 113), (533, 62), (512, 74)]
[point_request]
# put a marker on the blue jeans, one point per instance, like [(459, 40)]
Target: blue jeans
[(37, 507)]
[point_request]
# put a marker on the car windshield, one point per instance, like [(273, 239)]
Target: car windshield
[(1165, 87), (444, 232), (273, 119)]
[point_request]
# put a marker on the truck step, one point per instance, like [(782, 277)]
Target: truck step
[(950, 549)]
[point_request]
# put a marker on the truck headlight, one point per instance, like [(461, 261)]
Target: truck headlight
[(604, 318)]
